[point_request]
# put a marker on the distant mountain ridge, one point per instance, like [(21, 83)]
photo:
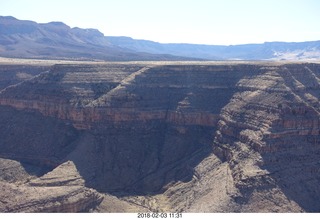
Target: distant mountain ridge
[(265, 51), (28, 39)]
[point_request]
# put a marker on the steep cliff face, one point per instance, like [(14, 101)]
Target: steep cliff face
[(268, 134), (160, 115), (199, 137), (88, 94)]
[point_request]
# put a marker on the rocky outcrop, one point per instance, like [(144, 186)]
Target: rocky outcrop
[(47, 199), (61, 190)]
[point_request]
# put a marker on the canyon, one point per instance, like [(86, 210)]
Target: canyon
[(223, 136)]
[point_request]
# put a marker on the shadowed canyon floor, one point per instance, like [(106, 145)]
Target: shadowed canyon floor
[(159, 136)]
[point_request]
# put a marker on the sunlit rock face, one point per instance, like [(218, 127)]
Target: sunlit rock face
[(198, 137)]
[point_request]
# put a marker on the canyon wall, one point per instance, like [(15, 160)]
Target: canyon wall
[(180, 132)]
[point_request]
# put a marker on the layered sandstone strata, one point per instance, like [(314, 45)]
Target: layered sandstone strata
[(198, 137)]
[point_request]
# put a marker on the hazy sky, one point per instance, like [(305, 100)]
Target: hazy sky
[(218, 22)]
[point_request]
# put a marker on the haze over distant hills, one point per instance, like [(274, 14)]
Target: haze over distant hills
[(28, 39), (268, 50)]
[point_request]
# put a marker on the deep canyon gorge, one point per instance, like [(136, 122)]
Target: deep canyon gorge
[(230, 136)]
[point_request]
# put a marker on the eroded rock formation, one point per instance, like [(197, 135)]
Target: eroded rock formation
[(197, 137)]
